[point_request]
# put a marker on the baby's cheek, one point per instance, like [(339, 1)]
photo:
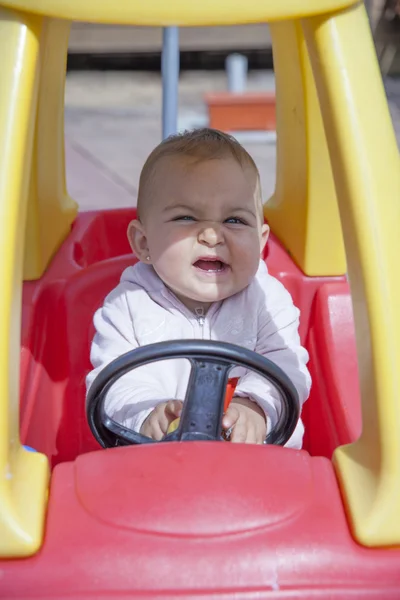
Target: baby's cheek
[(164, 250), (249, 247), (247, 266)]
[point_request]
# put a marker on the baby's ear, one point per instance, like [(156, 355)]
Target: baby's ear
[(138, 241), (264, 236)]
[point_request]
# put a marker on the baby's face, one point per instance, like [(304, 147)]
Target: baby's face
[(202, 229)]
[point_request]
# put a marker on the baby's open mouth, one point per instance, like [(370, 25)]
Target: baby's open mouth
[(210, 265)]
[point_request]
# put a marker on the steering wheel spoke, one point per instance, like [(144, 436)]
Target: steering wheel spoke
[(202, 411)]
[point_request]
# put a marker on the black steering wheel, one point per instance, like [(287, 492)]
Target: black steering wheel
[(202, 411)]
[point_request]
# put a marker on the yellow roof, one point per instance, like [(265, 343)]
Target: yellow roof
[(178, 12)]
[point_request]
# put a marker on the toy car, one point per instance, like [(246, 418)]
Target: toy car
[(204, 518)]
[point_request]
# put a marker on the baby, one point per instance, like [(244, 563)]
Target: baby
[(198, 236)]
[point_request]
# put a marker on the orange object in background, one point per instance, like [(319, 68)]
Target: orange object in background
[(252, 111)]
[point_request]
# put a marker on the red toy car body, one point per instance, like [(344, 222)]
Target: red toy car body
[(187, 519)]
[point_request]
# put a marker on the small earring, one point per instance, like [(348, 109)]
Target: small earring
[(147, 257)]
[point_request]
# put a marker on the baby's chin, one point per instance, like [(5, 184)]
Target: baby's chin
[(213, 295)]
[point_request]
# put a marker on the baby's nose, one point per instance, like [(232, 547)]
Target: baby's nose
[(211, 235)]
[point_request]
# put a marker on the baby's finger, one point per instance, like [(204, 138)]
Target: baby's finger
[(261, 435), (239, 433), (230, 418), (174, 408), (160, 420), (156, 432), (164, 420), (170, 411), (151, 427), (251, 434)]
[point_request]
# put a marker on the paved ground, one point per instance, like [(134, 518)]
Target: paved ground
[(113, 121)]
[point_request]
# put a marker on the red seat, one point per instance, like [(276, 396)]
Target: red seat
[(57, 328), (64, 318), (334, 405)]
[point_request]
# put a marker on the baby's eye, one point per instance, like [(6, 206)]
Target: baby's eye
[(235, 221), (184, 218)]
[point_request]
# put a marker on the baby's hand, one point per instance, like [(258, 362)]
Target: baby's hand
[(156, 424), (248, 421)]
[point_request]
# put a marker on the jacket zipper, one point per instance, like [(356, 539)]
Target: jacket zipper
[(200, 319)]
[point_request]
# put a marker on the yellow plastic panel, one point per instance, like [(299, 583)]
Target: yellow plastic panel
[(23, 475), (50, 210), (303, 212), (366, 167), (178, 12)]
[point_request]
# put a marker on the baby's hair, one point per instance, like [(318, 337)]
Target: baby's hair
[(198, 145)]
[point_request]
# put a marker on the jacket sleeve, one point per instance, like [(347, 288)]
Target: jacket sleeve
[(278, 340), (132, 398)]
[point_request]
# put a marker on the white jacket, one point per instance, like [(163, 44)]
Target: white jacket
[(142, 310)]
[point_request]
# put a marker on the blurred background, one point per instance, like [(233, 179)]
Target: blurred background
[(114, 96)]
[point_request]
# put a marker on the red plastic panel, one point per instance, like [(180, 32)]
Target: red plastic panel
[(200, 520), (333, 411), (143, 494)]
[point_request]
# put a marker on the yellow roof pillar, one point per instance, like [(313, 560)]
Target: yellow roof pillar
[(303, 211), (366, 167), (50, 210), (23, 475)]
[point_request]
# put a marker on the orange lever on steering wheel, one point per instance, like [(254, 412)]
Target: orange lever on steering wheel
[(230, 390)]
